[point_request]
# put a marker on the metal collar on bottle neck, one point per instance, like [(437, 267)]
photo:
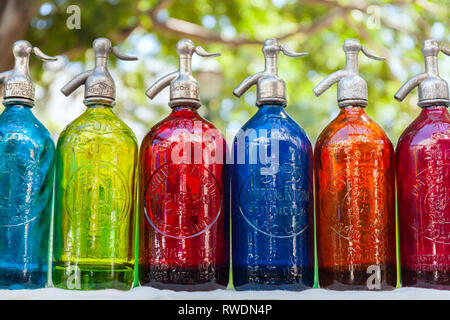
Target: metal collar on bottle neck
[(352, 89), (98, 83), (270, 88), (433, 90), (17, 83), (184, 89)]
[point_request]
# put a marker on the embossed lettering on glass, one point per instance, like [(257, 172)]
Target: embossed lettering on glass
[(26, 179), (96, 162)]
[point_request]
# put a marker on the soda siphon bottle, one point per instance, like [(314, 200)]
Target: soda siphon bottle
[(183, 226), (272, 189), (355, 189), (95, 188), (26, 179), (423, 179)]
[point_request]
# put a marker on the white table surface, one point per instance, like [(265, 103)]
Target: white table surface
[(144, 293)]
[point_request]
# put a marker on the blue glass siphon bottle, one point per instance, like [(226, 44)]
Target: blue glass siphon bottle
[(26, 179), (271, 189)]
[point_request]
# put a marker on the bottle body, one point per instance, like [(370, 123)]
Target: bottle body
[(272, 204), (423, 178), (355, 204), (26, 189), (183, 223), (94, 215)]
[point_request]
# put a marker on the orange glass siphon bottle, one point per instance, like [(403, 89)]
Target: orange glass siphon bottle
[(355, 185)]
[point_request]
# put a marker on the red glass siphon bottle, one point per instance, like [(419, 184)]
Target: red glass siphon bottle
[(423, 179), (183, 226), (355, 183)]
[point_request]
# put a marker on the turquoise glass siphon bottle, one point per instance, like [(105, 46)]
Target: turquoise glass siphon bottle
[(423, 179), (94, 215), (272, 189), (26, 179)]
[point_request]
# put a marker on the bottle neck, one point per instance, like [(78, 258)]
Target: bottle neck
[(435, 108), (99, 105), (355, 111), (271, 108), (17, 105), (184, 111), (99, 108), (435, 112)]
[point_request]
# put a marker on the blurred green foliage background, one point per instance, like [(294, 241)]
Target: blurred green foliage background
[(150, 30)]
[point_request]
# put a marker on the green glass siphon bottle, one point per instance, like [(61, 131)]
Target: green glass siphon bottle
[(96, 159)]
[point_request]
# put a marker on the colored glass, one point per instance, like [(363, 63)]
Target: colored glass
[(183, 226), (355, 204), (272, 203), (423, 177), (94, 221), (26, 187)]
